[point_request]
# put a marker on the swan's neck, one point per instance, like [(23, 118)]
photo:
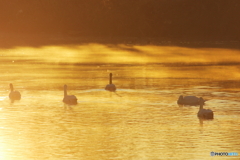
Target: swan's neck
[(11, 88), (110, 79), (201, 106), (65, 91)]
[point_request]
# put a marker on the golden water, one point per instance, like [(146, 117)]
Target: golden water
[(141, 121)]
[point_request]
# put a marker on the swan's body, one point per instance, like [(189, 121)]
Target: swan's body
[(204, 113), (14, 95), (110, 87), (69, 99), (188, 100)]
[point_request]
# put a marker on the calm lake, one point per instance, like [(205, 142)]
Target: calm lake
[(141, 121)]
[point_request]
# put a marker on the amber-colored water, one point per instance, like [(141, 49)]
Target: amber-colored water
[(141, 121)]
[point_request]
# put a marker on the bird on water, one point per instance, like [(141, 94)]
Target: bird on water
[(204, 113), (69, 99), (110, 87), (14, 95), (189, 100)]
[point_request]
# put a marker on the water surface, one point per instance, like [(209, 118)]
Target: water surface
[(141, 121)]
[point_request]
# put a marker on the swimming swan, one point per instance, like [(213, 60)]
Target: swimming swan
[(188, 100), (110, 87), (69, 99), (14, 95), (204, 113)]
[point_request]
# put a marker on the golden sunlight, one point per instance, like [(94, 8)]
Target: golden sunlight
[(122, 54)]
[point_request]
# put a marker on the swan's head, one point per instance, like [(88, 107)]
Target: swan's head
[(65, 86), (180, 99), (11, 86)]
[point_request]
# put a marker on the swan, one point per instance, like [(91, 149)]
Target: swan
[(110, 87), (188, 100), (14, 95), (204, 113), (69, 99)]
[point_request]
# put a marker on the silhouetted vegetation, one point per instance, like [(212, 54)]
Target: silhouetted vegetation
[(165, 19)]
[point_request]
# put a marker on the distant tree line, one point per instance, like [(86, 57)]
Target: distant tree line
[(167, 19)]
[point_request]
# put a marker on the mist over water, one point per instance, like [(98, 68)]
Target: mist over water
[(141, 121)]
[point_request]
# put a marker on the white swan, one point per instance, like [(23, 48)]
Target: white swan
[(14, 95), (204, 113), (110, 87), (69, 99), (188, 100)]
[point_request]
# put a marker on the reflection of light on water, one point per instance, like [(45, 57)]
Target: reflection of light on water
[(146, 112), (3, 98), (210, 58), (98, 53), (3, 145)]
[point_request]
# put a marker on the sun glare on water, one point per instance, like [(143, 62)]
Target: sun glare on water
[(122, 54), (134, 121)]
